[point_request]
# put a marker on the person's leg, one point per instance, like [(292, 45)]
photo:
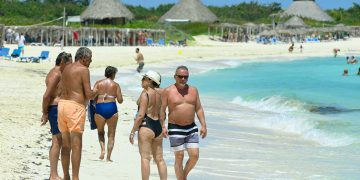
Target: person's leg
[(112, 122), (193, 158), (54, 156), (179, 171), (145, 140), (65, 154), (138, 69), (76, 148), (157, 151), (142, 64), (100, 123)]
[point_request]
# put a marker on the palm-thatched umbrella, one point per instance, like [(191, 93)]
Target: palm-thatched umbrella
[(341, 27), (102, 10), (269, 33), (192, 10), (308, 9), (295, 22)]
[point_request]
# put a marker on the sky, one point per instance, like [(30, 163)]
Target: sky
[(324, 4)]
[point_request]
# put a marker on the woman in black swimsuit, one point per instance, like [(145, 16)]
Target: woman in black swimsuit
[(150, 131)]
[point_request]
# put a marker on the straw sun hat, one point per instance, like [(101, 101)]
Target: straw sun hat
[(154, 76)]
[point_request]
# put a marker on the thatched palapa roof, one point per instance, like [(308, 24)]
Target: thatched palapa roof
[(102, 9), (307, 9), (192, 10), (295, 22)]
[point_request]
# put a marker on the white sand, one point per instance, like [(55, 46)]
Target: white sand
[(24, 144)]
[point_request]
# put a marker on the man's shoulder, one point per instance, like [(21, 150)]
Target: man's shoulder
[(54, 72), (172, 86)]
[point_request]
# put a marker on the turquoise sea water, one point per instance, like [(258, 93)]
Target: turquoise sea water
[(277, 119)]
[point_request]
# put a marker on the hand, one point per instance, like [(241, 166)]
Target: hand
[(131, 138), (165, 132), (44, 119), (203, 132)]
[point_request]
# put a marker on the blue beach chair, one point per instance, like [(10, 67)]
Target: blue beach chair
[(44, 55), (161, 42), (4, 52), (149, 42), (15, 54)]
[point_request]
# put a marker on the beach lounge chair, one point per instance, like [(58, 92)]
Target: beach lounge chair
[(43, 56), (149, 42), (15, 54), (161, 42), (4, 52)]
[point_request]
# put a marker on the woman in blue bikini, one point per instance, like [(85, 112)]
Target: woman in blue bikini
[(150, 130), (106, 110)]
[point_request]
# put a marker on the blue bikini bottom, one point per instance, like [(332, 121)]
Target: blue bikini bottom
[(106, 110)]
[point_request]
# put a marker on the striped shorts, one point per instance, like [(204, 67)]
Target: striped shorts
[(183, 137)]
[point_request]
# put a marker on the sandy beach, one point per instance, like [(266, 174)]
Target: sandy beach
[(25, 144)]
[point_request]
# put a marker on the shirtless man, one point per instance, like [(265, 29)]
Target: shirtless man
[(75, 93), (183, 103), (51, 98), (139, 58)]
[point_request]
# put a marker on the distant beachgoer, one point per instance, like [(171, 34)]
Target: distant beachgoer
[(301, 48), (139, 58), (75, 93), (51, 98), (336, 50), (148, 121), (76, 37), (346, 72), (358, 72), (9, 35), (353, 60), (291, 48), (347, 59), (106, 109), (21, 43), (183, 102)]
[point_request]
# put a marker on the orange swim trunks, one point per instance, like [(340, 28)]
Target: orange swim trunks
[(71, 116)]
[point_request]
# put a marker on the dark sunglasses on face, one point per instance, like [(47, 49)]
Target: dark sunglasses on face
[(182, 77)]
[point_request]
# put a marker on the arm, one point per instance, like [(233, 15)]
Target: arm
[(95, 88), (119, 94), (89, 94), (164, 104), (51, 87), (138, 100), (140, 116), (200, 115)]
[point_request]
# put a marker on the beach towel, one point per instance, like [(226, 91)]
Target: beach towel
[(91, 114)]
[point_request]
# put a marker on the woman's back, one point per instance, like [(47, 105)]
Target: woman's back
[(154, 103), (107, 89)]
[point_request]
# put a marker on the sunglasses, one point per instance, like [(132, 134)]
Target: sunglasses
[(182, 77)]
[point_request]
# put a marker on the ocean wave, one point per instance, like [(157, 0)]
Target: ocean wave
[(289, 116), (277, 104), (303, 125)]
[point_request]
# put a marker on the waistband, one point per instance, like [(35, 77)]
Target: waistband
[(176, 126), (71, 102), (53, 106), (107, 102)]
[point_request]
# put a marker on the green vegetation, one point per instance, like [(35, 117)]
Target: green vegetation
[(245, 12), (33, 12), (350, 16)]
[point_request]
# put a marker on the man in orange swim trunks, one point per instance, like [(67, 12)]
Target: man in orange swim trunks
[(75, 93)]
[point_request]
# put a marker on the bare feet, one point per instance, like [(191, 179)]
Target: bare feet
[(55, 178), (108, 160), (102, 154)]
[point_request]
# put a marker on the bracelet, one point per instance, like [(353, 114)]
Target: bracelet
[(132, 134)]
